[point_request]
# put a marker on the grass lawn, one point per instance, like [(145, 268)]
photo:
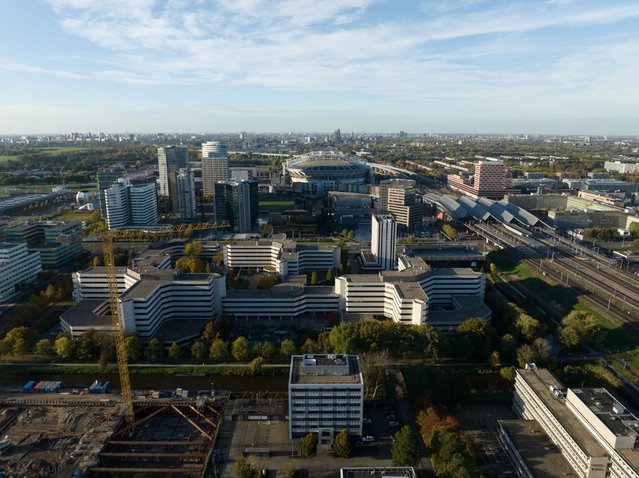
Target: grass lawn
[(73, 216), (276, 202)]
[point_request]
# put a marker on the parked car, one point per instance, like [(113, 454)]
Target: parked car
[(366, 421), (368, 439), (393, 424)]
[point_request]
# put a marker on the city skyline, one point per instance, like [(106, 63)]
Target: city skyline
[(467, 66)]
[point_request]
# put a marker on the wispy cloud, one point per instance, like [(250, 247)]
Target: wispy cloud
[(465, 51)]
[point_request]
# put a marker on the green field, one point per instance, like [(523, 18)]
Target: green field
[(47, 151), (276, 202), (74, 216)]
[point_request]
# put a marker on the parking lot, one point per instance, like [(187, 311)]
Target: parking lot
[(481, 425), (267, 444)]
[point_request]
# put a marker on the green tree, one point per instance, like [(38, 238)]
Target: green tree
[(97, 261), (313, 278), (410, 240), (579, 328), (133, 347), (330, 276), (473, 338), (198, 350), (240, 349), (243, 468), (64, 347), (308, 445), (87, 347), (218, 350), (342, 445), (267, 350), (153, 350), (342, 338), (287, 348), (43, 348), (19, 341), (405, 448), (175, 351), (527, 354), (256, 365), (527, 327), (309, 347), (634, 229), (449, 231)]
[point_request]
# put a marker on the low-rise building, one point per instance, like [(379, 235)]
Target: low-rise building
[(594, 431), (57, 242), (282, 256), (326, 395)]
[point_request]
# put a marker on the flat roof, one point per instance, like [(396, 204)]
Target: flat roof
[(88, 313), (540, 380), (148, 282), (378, 472), (601, 403), (541, 455), (323, 375), (463, 307)]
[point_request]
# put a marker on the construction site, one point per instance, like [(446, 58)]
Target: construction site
[(64, 436)]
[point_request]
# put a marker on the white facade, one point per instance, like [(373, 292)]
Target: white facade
[(129, 205), (144, 205), (384, 241), (117, 205), (162, 297), (369, 294), (326, 395), (215, 166), (91, 284), (281, 256), (595, 441), (281, 302), (18, 267)]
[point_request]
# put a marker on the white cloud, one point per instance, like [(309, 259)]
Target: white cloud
[(464, 52)]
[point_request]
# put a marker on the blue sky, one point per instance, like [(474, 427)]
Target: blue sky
[(475, 66)]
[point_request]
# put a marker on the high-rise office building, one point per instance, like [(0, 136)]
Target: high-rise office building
[(105, 180), (129, 205), (384, 241), (183, 199), (398, 197), (237, 202), (170, 159), (215, 166), (491, 180)]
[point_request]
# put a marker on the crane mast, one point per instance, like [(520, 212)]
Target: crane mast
[(118, 327)]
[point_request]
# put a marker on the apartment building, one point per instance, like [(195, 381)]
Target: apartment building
[(170, 159), (326, 395), (57, 242), (398, 197)]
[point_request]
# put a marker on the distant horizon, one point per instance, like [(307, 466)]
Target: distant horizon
[(325, 132)]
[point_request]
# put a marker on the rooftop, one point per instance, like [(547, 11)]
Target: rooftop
[(378, 472), (150, 282), (325, 368), (543, 458), (540, 381), (607, 409), (464, 307), (88, 313)]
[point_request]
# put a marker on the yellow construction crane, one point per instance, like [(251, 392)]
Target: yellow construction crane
[(116, 313)]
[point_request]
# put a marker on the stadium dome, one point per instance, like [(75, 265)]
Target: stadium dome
[(322, 166)]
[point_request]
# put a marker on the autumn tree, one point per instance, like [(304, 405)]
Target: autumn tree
[(342, 445)]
